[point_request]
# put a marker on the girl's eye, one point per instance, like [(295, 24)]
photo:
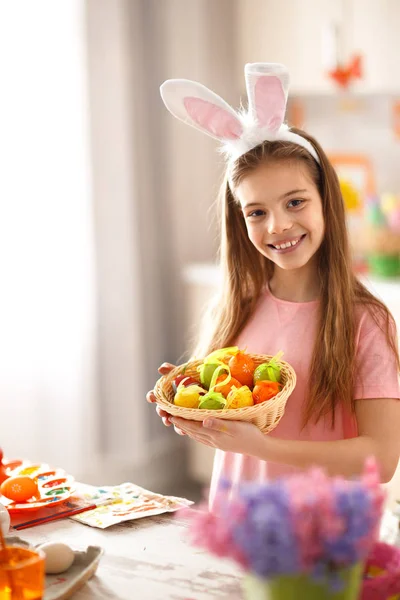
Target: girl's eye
[(294, 203), (256, 213)]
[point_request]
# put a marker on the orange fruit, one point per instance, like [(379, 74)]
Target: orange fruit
[(225, 389), (265, 390), (242, 368)]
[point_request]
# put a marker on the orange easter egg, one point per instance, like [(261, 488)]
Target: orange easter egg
[(242, 368), (19, 488), (265, 390), (226, 388)]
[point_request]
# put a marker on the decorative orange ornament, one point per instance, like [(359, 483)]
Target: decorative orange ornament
[(343, 75), (242, 368), (225, 389), (265, 390)]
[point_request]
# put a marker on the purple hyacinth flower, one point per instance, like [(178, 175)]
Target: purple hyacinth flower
[(266, 535)]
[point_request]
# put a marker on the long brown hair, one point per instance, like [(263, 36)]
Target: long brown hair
[(246, 273)]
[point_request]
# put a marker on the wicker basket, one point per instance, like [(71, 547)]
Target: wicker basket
[(265, 415)]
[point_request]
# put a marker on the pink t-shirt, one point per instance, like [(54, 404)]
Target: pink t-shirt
[(291, 327)]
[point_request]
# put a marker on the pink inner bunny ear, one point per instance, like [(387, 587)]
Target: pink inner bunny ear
[(214, 119), (269, 102)]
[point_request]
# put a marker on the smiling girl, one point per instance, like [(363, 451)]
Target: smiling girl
[(288, 285)]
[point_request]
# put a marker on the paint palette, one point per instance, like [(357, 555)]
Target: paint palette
[(55, 485)]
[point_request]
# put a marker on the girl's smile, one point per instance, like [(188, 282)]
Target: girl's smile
[(287, 245)]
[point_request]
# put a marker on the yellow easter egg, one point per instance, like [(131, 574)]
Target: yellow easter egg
[(187, 397), (240, 397)]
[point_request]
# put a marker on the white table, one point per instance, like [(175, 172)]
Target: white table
[(152, 559), (146, 559)]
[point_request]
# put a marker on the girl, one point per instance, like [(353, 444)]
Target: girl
[(288, 285)]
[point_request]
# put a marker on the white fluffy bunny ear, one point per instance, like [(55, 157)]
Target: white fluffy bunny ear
[(196, 105), (267, 87)]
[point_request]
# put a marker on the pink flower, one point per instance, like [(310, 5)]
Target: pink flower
[(304, 523)]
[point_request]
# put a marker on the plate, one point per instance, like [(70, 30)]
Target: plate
[(63, 586), (55, 485)]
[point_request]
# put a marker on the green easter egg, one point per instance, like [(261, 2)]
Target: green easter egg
[(212, 401), (207, 371), (261, 372), (267, 371)]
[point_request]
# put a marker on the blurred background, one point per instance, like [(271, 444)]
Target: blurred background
[(108, 234)]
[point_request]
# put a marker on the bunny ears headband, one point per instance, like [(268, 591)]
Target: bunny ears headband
[(267, 89)]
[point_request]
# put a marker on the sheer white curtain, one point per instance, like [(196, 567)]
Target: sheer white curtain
[(82, 326), (47, 308), (93, 199)]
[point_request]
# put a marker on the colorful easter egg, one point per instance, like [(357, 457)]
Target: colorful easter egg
[(242, 368), (212, 362), (187, 397), (265, 390), (207, 370), (224, 387), (19, 488), (212, 401), (270, 370), (240, 397), (185, 380)]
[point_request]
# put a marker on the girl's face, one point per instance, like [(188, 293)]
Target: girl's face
[(282, 209)]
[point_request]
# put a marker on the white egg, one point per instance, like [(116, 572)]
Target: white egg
[(59, 557), (4, 519)]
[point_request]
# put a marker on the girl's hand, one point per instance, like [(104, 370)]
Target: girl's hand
[(230, 436), (150, 397)]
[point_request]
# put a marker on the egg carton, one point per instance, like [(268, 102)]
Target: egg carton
[(64, 585)]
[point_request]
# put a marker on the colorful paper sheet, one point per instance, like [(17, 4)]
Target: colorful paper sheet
[(124, 502)]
